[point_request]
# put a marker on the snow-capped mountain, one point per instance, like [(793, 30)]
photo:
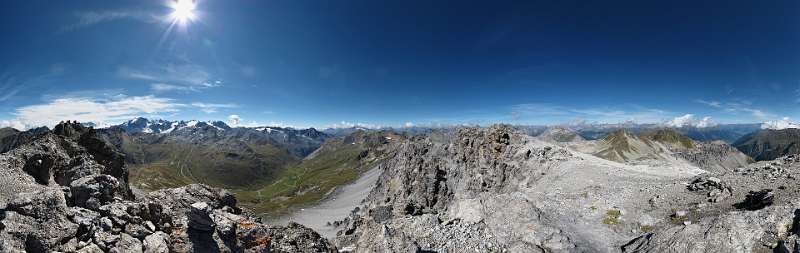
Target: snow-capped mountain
[(160, 126), (297, 141)]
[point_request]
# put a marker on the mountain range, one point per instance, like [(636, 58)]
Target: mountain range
[(248, 160), (271, 169), (643, 190)]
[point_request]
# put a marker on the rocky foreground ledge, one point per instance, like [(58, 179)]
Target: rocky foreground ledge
[(67, 190), (497, 190)]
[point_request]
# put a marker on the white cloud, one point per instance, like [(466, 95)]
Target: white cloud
[(408, 125), (780, 124), (685, 120), (16, 124), (102, 112), (234, 120), (345, 124), (212, 108), (706, 122), (691, 120)]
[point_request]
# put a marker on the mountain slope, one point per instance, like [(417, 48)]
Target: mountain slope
[(622, 145), (7, 131), (338, 162), (769, 144), (560, 134), (175, 153), (671, 147), (271, 169), (203, 155)]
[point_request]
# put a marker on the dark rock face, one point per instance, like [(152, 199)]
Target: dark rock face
[(67, 191)]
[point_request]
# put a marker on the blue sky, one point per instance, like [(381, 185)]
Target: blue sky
[(392, 63)]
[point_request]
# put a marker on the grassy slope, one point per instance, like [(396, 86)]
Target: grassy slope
[(267, 180), (339, 162), (177, 164), (669, 136)]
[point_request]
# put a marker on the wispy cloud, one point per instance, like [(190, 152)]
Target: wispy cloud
[(173, 77), (797, 94), (554, 113), (165, 87), (83, 109), (11, 84), (712, 103), (738, 106), (212, 108), (91, 18), (9, 87)]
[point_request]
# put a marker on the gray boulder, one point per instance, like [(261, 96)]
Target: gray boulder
[(157, 242), (94, 191)]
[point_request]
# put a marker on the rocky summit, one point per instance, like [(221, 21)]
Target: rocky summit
[(498, 190), (67, 190)]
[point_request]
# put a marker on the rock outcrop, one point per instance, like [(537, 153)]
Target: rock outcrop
[(438, 195), (495, 190), (67, 190)]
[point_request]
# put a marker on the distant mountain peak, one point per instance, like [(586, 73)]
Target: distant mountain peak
[(560, 134), (160, 126)]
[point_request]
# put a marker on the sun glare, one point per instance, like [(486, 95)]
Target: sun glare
[(183, 10)]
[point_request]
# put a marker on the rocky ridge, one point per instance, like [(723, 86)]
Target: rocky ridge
[(497, 190), (66, 190)]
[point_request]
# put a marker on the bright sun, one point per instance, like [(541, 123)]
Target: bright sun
[(183, 10)]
